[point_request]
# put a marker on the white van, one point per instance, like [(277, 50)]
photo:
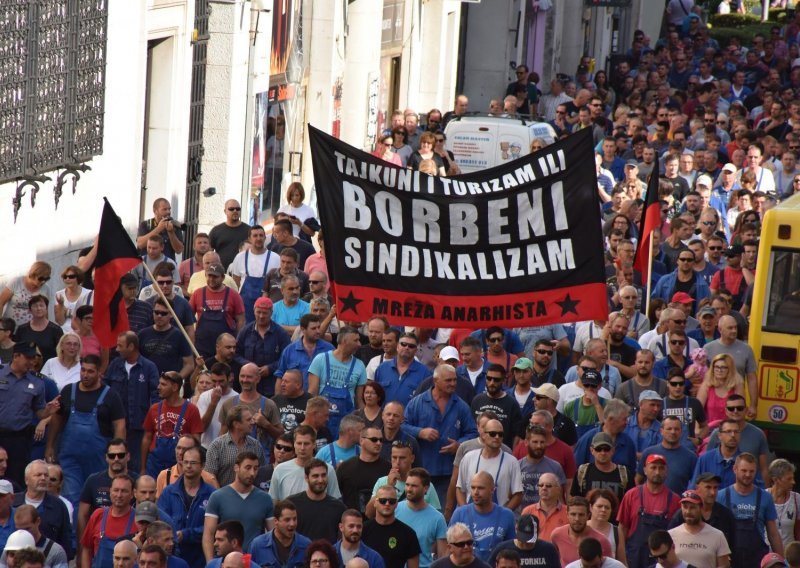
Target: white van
[(479, 142)]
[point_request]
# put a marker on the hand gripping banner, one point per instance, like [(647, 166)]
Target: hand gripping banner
[(516, 245)]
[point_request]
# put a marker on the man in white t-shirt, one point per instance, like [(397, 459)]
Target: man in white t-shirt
[(210, 403), (249, 269), (696, 542)]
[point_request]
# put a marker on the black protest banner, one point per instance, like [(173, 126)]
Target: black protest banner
[(516, 245)]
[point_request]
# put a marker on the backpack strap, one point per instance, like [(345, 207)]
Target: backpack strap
[(582, 469)]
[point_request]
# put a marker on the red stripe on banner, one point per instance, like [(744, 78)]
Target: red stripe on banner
[(651, 221), (561, 305)]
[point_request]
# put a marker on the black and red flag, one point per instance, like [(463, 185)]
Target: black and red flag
[(116, 255), (650, 221), (516, 245)]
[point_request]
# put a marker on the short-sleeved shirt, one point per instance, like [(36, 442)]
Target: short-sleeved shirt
[(318, 519), (429, 525), (263, 405), (96, 491), (252, 510), (530, 474), (226, 240), (569, 551), (488, 529), (46, 340), (289, 315), (110, 410), (20, 398), (213, 300), (289, 478), (680, 469), (543, 553), (504, 469), (340, 375), (395, 542), (292, 411), (743, 506), (203, 404), (699, 549), (255, 264), (148, 225), (163, 424), (115, 528), (165, 348), (663, 502), (752, 440), (17, 307), (741, 352)]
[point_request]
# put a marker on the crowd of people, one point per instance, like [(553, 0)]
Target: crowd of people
[(239, 420)]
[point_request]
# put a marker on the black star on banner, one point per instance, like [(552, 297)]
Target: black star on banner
[(568, 305), (350, 302)]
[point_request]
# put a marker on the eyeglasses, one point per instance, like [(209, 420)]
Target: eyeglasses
[(493, 433), (387, 500), (315, 281), (283, 448), (734, 408), (709, 223), (69, 276), (319, 561), (463, 543), (408, 345), (164, 282), (561, 112), (43, 278), (116, 455), (160, 313), (440, 139), (545, 486), (720, 248), (720, 367), (191, 462), (602, 449), (373, 439), (544, 352), (677, 342), (234, 208), (494, 379), (495, 340), (679, 322), (676, 383)]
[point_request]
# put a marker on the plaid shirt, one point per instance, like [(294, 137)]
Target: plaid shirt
[(222, 454)]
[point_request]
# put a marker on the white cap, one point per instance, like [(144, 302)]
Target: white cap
[(448, 353), (20, 539), (704, 180)]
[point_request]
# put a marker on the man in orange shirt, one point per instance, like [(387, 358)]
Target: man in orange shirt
[(549, 511)]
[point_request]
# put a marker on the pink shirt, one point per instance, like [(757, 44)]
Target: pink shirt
[(569, 550)]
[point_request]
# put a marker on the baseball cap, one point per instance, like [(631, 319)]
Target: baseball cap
[(602, 439), (773, 559), (527, 528), (632, 163), (734, 250), (691, 496), (704, 180), (729, 168), (591, 378), (706, 311), (23, 539), (5, 487), (448, 353), (523, 363), (146, 511), (652, 458), (649, 395), (264, 303), (707, 476), (26, 348), (549, 390), (215, 270), (682, 298), (129, 279)]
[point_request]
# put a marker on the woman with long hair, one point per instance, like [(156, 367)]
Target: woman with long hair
[(16, 294), (70, 297), (65, 367), (721, 381), (603, 506)]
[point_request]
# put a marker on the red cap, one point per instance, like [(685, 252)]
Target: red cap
[(772, 559), (655, 458), (682, 298), (264, 303)]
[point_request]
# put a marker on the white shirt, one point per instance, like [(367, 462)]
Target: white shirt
[(60, 374), (212, 432), (255, 264), (701, 549), (607, 563), (503, 468)]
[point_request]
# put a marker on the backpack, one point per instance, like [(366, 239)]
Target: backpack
[(584, 467)]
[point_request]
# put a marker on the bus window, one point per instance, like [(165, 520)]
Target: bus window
[(783, 293)]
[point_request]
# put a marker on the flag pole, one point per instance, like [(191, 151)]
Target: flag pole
[(171, 311), (649, 274)]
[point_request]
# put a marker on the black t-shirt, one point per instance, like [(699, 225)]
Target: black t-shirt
[(264, 477), (543, 553), (680, 187), (563, 428), (164, 348), (304, 250), (292, 410), (111, 409), (227, 240), (596, 479), (447, 563), (688, 409), (367, 352), (357, 478), (396, 543), (507, 410), (46, 340), (623, 353), (324, 437), (318, 519), (96, 491)]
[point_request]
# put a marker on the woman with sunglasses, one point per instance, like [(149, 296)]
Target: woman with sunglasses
[(16, 293), (721, 381), (384, 150), (70, 297)]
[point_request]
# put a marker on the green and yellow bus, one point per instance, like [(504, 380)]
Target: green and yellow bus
[(775, 326)]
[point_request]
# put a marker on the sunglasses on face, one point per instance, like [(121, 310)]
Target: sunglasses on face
[(374, 440), (677, 342), (493, 433), (387, 500), (734, 408), (494, 379), (408, 345), (116, 455), (463, 543), (495, 340), (602, 449), (234, 208), (69, 276), (676, 384), (160, 313), (283, 448)]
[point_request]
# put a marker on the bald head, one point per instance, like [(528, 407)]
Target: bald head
[(233, 560), (484, 477), (249, 369), (356, 563), (550, 478), (125, 547)]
